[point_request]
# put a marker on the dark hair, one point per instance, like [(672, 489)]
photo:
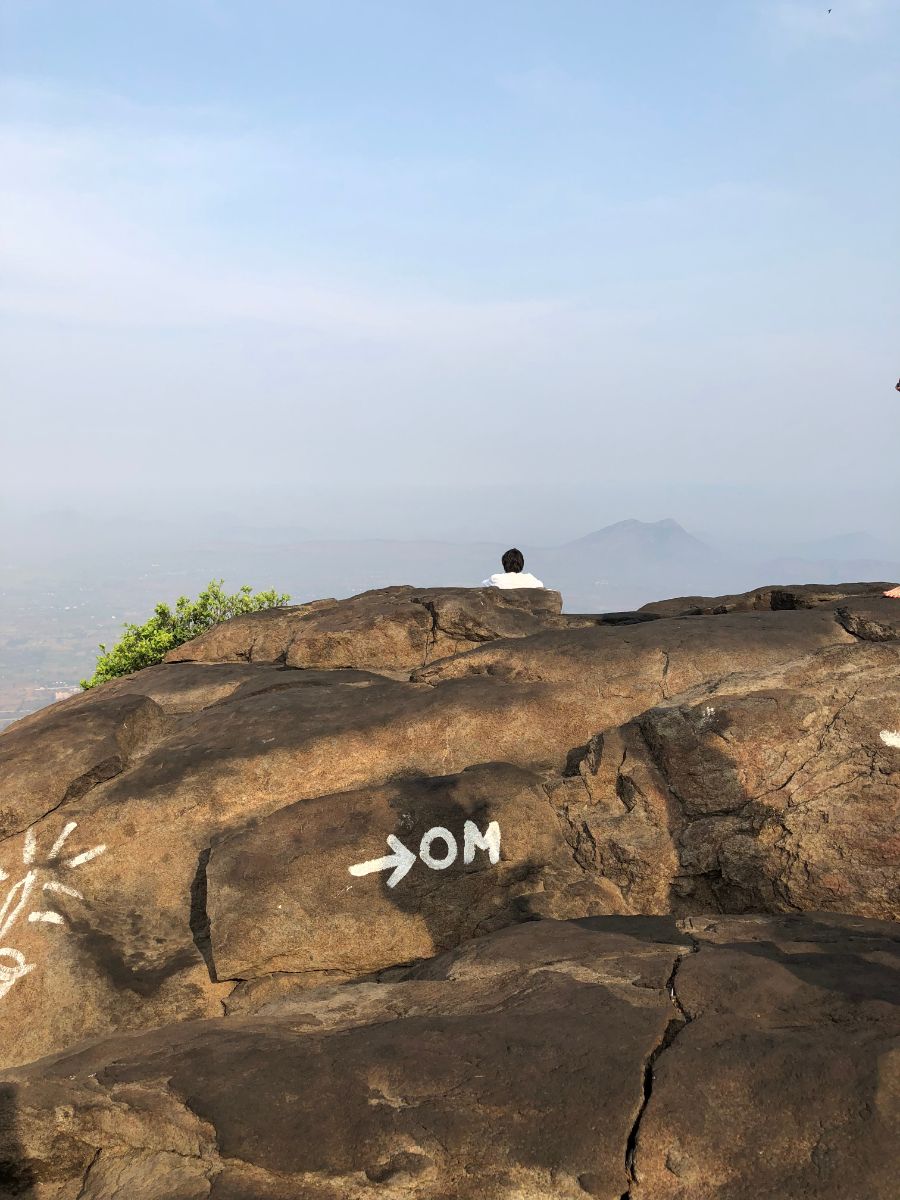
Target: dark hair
[(513, 561)]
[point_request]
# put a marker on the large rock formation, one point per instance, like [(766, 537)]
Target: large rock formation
[(317, 796)]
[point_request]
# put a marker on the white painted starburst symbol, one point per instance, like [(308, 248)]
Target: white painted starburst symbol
[(18, 898)]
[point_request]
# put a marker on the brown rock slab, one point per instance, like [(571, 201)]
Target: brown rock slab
[(310, 915), (57, 756), (873, 619), (638, 665), (132, 949), (388, 629), (775, 597), (260, 637), (461, 1082), (795, 1024), (608, 1057), (764, 792)]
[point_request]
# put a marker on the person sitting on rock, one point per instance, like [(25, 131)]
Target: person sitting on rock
[(512, 575), (894, 593)]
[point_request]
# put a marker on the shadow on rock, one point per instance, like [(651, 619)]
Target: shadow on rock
[(199, 921), (846, 962), (466, 879), (16, 1176)]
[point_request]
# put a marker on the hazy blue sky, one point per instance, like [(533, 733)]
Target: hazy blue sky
[(632, 249)]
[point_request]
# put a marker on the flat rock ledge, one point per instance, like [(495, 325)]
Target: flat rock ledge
[(638, 1057)]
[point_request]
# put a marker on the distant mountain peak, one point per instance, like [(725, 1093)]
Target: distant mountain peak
[(641, 532)]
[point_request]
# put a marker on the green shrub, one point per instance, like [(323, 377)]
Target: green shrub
[(147, 644)]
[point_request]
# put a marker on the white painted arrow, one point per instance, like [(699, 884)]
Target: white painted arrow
[(401, 860)]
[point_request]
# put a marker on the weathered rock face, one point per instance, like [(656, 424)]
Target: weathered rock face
[(609, 1057), (179, 843), (641, 664), (392, 629), (90, 743), (765, 791), (775, 598), (873, 619), (312, 918)]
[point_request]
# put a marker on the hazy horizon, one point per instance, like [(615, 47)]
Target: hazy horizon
[(806, 512)]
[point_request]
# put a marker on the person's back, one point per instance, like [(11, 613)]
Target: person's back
[(512, 575)]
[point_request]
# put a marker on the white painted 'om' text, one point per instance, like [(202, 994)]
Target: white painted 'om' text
[(438, 850)]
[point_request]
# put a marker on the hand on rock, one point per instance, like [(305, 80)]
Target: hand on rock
[(894, 593)]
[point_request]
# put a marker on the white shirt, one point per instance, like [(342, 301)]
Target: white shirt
[(512, 579)]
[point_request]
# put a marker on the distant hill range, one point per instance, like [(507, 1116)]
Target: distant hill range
[(642, 539), (618, 566)]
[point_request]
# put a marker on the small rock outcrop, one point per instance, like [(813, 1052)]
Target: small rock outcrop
[(428, 860), (775, 598), (392, 629)]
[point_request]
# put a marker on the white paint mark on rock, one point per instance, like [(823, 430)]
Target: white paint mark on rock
[(473, 840), (61, 840), (12, 962), (53, 885), (890, 738), (11, 974), (439, 833), (401, 861), (86, 856)]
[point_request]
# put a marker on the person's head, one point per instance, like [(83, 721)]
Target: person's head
[(513, 561)]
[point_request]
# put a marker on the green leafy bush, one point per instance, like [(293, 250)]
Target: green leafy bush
[(144, 645)]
